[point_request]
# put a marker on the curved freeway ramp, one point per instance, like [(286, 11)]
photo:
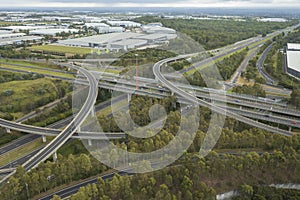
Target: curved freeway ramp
[(269, 80), (189, 97), (67, 133)]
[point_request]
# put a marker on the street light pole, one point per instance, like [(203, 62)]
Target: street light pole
[(27, 192), (136, 72)]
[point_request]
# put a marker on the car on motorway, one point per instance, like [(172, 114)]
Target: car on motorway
[(188, 107), (294, 123)]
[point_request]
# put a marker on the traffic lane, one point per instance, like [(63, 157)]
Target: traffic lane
[(17, 143)]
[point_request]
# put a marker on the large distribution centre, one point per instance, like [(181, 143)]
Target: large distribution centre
[(293, 59)]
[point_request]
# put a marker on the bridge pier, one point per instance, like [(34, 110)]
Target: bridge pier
[(290, 129), (8, 130), (44, 139), (129, 97), (90, 142), (55, 156), (93, 112)]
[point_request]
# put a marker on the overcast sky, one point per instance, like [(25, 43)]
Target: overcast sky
[(150, 3)]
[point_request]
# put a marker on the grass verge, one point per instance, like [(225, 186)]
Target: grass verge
[(62, 49), (21, 151), (39, 71)]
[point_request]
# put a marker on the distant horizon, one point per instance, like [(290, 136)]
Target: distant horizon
[(151, 4), (154, 7), (290, 12)]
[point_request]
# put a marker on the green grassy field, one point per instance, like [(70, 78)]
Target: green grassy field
[(62, 49), (24, 96), (31, 63), (39, 71)]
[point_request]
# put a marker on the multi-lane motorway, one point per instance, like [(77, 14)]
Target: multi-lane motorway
[(151, 89), (260, 63), (67, 133), (54, 132), (185, 95), (31, 137)]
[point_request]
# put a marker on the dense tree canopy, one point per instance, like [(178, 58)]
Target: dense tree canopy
[(217, 33)]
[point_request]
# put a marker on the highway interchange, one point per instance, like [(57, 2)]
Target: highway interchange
[(67, 133), (240, 105)]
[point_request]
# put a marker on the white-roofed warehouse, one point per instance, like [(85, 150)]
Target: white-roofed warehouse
[(293, 63), (117, 41), (293, 46), (98, 40), (52, 31), (293, 60), (127, 44)]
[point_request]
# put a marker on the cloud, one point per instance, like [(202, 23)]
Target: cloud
[(151, 3)]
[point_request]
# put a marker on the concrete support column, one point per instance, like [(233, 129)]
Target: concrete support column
[(44, 139), (55, 156), (129, 97), (290, 129), (90, 142), (93, 112), (8, 130)]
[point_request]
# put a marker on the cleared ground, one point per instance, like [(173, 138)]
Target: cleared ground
[(62, 49)]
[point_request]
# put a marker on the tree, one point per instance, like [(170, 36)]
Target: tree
[(55, 197), (246, 191), (13, 188), (83, 164), (295, 98), (163, 193)]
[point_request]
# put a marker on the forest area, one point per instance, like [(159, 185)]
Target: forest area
[(243, 155), (212, 34)]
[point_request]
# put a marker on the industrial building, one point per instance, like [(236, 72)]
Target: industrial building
[(11, 35), (127, 44), (125, 24), (293, 47), (20, 40), (293, 60), (111, 29), (97, 40), (156, 38), (2, 32), (105, 28), (118, 41), (24, 28), (52, 31), (95, 25), (8, 38), (158, 29)]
